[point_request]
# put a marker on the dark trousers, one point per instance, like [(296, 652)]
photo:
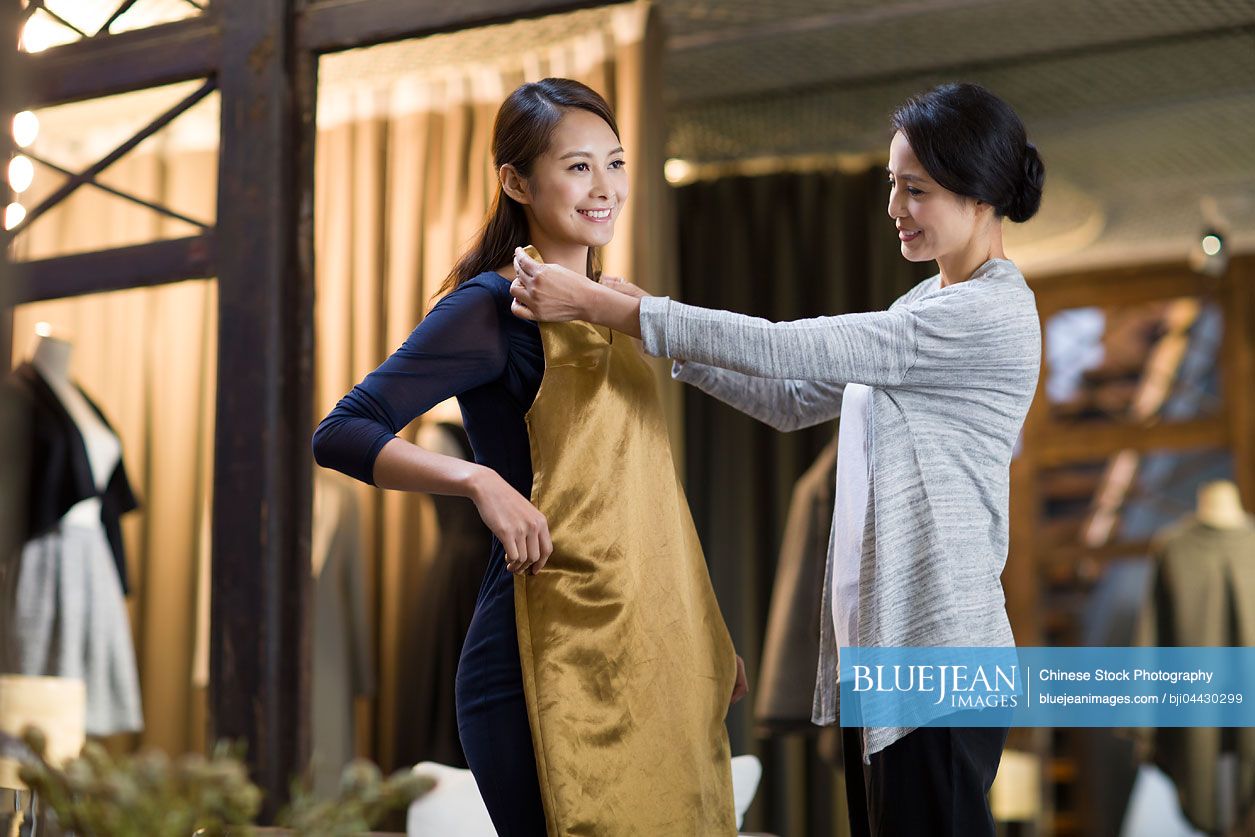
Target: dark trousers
[(492, 711), (934, 782)]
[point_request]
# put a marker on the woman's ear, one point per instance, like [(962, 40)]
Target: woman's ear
[(513, 184)]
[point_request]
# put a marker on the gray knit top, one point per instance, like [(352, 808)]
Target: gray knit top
[(952, 371)]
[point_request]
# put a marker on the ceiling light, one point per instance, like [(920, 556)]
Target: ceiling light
[(676, 170), (1208, 256)]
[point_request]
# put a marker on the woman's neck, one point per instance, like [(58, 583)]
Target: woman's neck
[(51, 357), (960, 265), (571, 256)]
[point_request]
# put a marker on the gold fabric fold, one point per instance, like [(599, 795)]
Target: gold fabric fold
[(627, 663)]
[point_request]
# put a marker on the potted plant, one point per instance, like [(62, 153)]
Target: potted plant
[(99, 795)]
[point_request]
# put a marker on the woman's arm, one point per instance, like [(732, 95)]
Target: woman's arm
[(553, 294), (457, 347), (875, 349), (785, 405), (973, 336)]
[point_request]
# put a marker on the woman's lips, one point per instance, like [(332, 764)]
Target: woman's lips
[(909, 235)]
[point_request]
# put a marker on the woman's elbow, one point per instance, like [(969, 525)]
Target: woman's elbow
[(322, 445)]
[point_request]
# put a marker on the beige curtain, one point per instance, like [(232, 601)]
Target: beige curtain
[(147, 357), (404, 179)]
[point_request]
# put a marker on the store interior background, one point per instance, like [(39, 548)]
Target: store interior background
[(757, 135)]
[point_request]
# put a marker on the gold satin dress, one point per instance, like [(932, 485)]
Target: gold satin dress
[(627, 663)]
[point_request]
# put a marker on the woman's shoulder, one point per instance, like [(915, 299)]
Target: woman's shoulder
[(996, 282), (487, 290), (482, 300), (489, 281)]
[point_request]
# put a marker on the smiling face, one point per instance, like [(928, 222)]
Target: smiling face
[(932, 221), (577, 188)]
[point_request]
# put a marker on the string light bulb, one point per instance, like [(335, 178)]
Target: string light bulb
[(21, 173), (25, 128), (13, 215)]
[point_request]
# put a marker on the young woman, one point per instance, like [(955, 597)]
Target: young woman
[(589, 703), (932, 395)]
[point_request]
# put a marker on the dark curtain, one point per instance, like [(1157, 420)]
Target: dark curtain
[(783, 246)]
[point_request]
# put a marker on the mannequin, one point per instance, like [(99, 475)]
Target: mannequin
[(1202, 593), (66, 613), (1220, 506), (51, 356)]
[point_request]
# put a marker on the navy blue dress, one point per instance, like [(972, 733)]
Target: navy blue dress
[(470, 346)]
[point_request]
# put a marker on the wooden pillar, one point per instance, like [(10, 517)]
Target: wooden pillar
[(259, 672), (1021, 580)]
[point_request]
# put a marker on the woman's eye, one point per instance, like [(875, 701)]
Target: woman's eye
[(580, 167), (618, 164), (911, 190)]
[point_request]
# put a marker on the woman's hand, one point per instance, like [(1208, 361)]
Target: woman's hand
[(549, 293), (552, 293), (742, 686), (616, 283), (520, 527)]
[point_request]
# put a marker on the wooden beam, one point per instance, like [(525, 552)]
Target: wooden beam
[(138, 266), (1121, 286), (88, 175), (111, 64), (331, 25), (259, 648), (1079, 443)]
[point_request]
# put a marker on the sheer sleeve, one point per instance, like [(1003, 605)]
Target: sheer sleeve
[(458, 346)]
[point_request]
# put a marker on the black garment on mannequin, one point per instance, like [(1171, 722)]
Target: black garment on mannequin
[(60, 472)]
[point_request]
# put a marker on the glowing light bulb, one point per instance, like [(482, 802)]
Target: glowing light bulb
[(676, 170), (21, 173), (13, 215), (1211, 244), (25, 128)]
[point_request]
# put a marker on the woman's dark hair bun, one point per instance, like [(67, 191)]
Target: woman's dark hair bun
[(1025, 204)]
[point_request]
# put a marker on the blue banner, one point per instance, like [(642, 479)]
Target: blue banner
[(1047, 687)]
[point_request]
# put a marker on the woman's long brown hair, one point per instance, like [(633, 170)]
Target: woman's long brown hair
[(521, 133)]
